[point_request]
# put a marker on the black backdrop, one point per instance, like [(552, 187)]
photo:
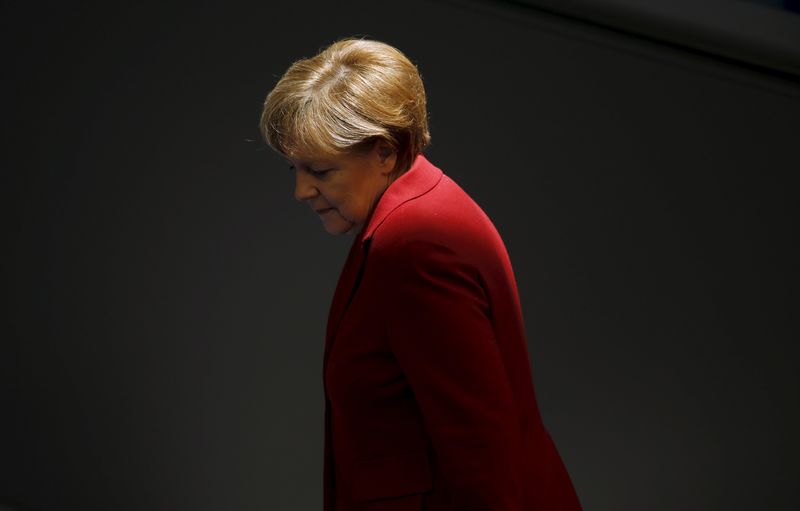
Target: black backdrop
[(167, 296)]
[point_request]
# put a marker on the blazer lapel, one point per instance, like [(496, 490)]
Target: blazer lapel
[(345, 289)]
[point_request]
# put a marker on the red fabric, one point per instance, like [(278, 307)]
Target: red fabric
[(429, 399)]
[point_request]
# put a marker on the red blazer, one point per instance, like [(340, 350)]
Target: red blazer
[(429, 399)]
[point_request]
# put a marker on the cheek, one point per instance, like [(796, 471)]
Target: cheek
[(349, 201), (348, 198)]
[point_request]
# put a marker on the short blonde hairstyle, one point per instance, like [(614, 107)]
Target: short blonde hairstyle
[(342, 100)]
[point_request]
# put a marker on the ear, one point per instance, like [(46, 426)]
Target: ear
[(386, 154)]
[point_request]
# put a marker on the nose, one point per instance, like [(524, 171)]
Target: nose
[(304, 189)]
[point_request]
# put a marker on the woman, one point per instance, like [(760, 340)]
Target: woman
[(429, 396)]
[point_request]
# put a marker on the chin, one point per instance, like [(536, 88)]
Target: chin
[(339, 225), (335, 232), (339, 228)]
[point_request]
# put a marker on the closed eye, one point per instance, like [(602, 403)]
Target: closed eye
[(320, 172), (315, 172)]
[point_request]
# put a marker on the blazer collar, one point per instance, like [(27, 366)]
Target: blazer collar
[(417, 180)]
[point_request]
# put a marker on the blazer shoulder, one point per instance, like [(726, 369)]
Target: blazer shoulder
[(445, 216)]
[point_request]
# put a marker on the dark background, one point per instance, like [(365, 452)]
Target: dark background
[(167, 296)]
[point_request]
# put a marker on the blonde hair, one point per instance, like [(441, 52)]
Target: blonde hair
[(342, 100)]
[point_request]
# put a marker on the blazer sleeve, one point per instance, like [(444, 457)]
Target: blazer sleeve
[(439, 328)]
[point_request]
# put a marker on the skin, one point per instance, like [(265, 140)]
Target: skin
[(350, 185)]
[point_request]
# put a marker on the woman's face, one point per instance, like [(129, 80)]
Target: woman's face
[(343, 191)]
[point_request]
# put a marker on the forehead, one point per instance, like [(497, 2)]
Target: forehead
[(310, 159)]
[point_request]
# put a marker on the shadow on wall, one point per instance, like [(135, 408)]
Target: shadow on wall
[(761, 34), (788, 5)]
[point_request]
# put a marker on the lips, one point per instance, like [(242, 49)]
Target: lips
[(320, 211)]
